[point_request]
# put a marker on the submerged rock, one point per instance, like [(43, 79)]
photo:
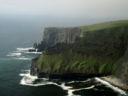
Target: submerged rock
[(32, 50)]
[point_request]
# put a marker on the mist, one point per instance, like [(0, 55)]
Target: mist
[(27, 18)]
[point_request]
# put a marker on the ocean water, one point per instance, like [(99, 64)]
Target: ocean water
[(15, 79)]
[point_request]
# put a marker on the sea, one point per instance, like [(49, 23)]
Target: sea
[(15, 78)]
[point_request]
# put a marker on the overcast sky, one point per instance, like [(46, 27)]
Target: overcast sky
[(27, 18), (66, 8)]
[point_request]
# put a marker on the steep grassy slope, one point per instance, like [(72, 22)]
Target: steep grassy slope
[(101, 50)]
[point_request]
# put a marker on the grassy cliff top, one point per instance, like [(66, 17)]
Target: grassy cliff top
[(93, 27), (104, 25)]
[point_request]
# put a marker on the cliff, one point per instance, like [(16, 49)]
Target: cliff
[(99, 49), (54, 35)]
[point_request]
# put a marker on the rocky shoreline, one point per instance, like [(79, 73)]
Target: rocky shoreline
[(115, 82)]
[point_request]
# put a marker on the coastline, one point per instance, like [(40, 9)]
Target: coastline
[(114, 82)]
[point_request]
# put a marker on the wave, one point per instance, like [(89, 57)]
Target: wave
[(111, 86), (24, 49), (23, 58), (23, 54), (33, 52), (14, 54), (29, 80), (71, 91), (79, 81), (67, 88)]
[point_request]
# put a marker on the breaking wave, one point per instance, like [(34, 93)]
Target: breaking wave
[(110, 86), (24, 49), (34, 52), (14, 54), (29, 80), (23, 58), (23, 53)]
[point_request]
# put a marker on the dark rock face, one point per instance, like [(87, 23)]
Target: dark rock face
[(75, 76), (34, 70), (41, 75), (32, 50), (60, 35), (52, 36)]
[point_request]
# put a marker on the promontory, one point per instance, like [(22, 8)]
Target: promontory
[(84, 51)]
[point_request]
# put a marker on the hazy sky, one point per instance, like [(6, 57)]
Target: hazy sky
[(66, 8), (27, 18)]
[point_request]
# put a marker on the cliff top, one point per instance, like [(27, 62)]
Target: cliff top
[(104, 25), (93, 27)]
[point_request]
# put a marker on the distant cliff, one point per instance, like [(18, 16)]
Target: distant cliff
[(94, 50), (54, 35)]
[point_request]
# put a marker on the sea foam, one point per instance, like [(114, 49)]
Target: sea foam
[(33, 52), (14, 54), (111, 86), (23, 58), (24, 49), (23, 53), (28, 80)]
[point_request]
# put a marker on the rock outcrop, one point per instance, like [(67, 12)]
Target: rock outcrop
[(34, 69)]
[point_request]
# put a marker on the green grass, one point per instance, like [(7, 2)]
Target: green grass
[(104, 25), (75, 63), (97, 52)]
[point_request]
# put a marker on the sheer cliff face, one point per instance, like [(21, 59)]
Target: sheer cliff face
[(54, 35)]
